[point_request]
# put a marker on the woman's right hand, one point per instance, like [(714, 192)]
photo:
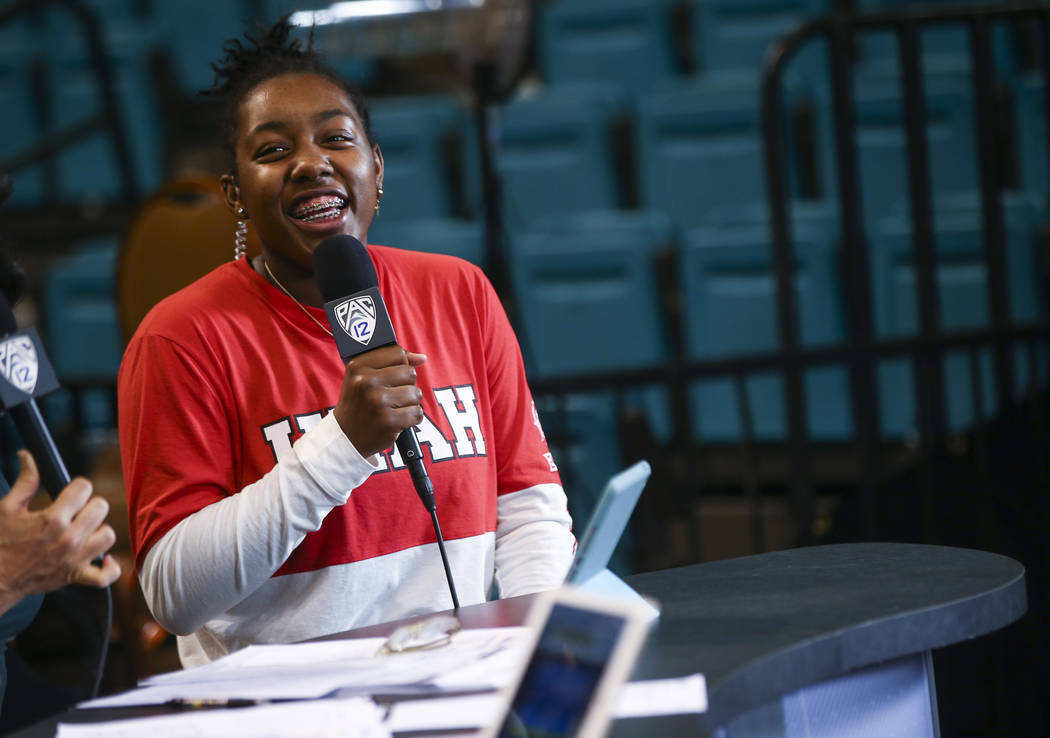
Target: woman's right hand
[(379, 398)]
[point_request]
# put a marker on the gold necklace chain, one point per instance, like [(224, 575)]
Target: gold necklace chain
[(301, 306)]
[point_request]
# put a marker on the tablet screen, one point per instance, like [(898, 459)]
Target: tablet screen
[(607, 522), (563, 673)]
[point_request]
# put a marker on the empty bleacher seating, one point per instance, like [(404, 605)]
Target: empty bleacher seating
[(194, 46), (88, 169), (20, 122), (462, 238), (699, 151), (732, 38), (729, 309), (881, 144), (587, 292), (418, 136), (962, 281), (1031, 131), (82, 335), (637, 134), (627, 41), (556, 153)]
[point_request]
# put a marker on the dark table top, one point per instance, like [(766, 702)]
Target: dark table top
[(762, 626)]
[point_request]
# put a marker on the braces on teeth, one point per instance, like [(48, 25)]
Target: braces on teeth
[(319, 210)]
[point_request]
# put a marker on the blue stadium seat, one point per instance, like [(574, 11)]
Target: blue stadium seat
[(555, 153), (881, 143), (194, 46), (462, 238), (588, 300), (730, 310), (414, 135), (587, 292), (699, 151), (962, 296), (82, 334), (945, 50), (88, 169), (120, 10), (18, 124), (876, 6), (1031, 136), (80, 313), (626, 41), (732, 37)]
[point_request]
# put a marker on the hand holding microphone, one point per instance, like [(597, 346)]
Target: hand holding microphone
[(63, 543), (380, 379), (361, 325), (379, 398), (49, 548)]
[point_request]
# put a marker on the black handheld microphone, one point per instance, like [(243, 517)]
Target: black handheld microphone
[(25, 374), (360, 322)]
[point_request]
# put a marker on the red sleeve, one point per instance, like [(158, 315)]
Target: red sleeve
[(523, 458), (175, 439)]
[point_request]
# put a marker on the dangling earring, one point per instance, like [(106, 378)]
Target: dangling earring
[(240, 236), (379, 196)]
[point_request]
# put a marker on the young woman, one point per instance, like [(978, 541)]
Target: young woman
[(266, 502)]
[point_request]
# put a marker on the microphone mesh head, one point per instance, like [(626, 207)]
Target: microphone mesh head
[(342, 267)]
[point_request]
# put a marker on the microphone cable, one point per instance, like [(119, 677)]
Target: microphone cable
[(408, 445), (444, 559), (104, 650), (344, 271)]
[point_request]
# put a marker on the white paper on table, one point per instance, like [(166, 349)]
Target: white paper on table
[(303, 688), (350, 718), (444, 713), (474, 659), (317, 654), (636, 699), (677, 696)]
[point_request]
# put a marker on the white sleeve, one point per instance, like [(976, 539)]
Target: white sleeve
[(222, 553), (534, 540)]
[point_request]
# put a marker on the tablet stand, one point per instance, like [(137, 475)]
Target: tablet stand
[(607, 583)]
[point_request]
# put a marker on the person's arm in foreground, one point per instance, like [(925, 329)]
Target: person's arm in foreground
[(49, 548)]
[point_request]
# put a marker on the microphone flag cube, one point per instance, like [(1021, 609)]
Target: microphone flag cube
[(360, 322)]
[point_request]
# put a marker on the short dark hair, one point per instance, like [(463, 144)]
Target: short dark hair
[(271, 53)]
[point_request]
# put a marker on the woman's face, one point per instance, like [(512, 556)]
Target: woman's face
[(305, 168)]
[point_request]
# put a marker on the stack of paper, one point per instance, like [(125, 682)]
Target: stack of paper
[(349, 718), (474, 659)]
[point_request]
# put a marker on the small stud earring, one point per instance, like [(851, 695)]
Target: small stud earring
[(379, 196)]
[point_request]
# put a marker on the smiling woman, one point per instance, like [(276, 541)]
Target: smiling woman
[(266, 501), (305, 170)]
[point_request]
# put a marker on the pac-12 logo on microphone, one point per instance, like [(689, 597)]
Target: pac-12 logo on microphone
[(357, 316), (18, 363)]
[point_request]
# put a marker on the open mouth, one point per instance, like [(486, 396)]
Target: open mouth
[(319, 209)]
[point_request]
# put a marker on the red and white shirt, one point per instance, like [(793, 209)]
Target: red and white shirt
[(253, 518)]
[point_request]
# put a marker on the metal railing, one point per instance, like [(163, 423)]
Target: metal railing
[(107, 120), (862, 348)]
